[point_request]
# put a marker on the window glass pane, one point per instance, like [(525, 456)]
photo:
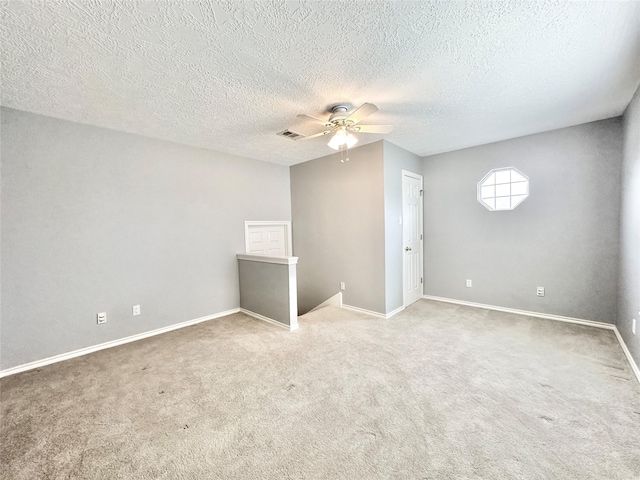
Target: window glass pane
[(519, 188), (490, 202), (489, 191), (517, 200), (503, 176), (503, 203), (503, 190), (516, 177), (491, 180)]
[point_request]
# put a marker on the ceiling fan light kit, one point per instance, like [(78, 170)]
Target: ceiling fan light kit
[(341, 125), (342, 137)]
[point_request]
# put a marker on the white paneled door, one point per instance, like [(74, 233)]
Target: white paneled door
[(267, 240), (412, 236)]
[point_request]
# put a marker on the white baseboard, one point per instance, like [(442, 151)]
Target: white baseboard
[(335, 301), (394, 312), (371, 312), (627, 353), (548, 316), (112, 343), (269, 320), (579, 321), (362, 310)]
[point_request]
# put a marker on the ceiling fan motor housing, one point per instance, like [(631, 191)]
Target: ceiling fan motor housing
[(339, 113)]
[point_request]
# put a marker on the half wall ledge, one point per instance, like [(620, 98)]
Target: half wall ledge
[(269, 289)]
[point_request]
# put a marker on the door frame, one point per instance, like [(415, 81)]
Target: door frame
[(407, 173), (288, 245)]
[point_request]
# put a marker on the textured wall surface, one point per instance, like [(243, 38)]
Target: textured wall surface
[(564, 237), (395, 160), (229, 75), (338, 228), (95, 220), (629, 307)]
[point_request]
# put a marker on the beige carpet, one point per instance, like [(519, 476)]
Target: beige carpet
[(437, 392)]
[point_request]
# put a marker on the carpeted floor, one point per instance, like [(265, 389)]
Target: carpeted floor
[(437, 392)]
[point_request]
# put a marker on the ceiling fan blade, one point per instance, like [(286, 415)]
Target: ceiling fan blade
[(372, 128), (312, 119), (325, 132), (361, 113)]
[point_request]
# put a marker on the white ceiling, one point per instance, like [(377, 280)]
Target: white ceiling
[(229, 75)]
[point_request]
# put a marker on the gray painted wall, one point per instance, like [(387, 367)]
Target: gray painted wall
[(338, 228), (97, 220), (396, 159), (264, 289), (629, 305), (564, 237)]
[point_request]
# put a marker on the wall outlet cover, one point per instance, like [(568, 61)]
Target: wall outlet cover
[(102, 317), (342, 286), (469, 284), (136, 309), (540, 291)]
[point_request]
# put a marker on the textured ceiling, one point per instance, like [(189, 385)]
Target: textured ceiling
[(229, 75)]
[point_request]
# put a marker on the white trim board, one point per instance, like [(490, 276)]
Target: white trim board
[(559, 318), (394, 312), (269, 320), (371, 312), (627, 353), (335, 301), (267, 259), (548, 316), (113, 343)]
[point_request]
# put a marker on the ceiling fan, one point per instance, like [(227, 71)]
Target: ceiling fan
[(342, 125)]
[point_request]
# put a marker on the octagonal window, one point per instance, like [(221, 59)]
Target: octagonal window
[(503, 189)]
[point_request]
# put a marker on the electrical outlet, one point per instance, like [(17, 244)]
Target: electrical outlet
[(136, 310), (469, 283), (633, 326), (342, 286), (540, 291), (102, 318)]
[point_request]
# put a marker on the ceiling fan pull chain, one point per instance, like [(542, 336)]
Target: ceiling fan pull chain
[(342, 150)]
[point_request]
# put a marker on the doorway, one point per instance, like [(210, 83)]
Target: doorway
[(412, 236)]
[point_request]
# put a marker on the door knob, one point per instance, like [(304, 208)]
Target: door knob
[(406, 249)]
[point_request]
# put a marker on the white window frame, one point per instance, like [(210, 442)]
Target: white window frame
[(495, 196)]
